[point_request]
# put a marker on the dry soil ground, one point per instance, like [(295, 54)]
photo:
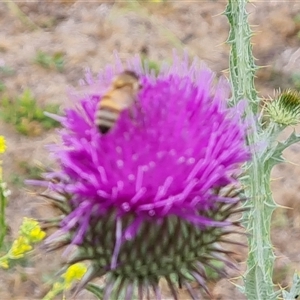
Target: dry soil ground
[(87, 33)]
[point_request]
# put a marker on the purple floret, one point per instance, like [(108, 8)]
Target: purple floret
[(182, 144)]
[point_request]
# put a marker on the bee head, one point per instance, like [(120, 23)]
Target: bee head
[(131, 74), (127, 78)]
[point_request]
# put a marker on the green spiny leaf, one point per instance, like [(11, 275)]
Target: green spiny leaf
[(295, 289)]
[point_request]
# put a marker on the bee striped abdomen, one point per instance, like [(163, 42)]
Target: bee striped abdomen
[(106, 116)]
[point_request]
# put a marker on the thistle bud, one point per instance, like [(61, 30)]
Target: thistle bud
[(285, 108)]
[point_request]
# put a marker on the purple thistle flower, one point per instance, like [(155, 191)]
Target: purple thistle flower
[(145, 200)]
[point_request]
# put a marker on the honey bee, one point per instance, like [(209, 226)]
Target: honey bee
[(121, 95)]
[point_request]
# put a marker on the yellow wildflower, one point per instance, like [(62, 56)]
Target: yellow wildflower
[(19, 247), (31, 229), (2, 144), (36, 234), (74, 272)]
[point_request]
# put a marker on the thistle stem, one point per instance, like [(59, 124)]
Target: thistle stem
[(258, 282)]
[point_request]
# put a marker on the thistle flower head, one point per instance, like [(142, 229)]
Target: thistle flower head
[(145, 200), (285, 108)]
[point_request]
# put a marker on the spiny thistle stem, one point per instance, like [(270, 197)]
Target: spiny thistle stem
[(241, 61), (258, 277)]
